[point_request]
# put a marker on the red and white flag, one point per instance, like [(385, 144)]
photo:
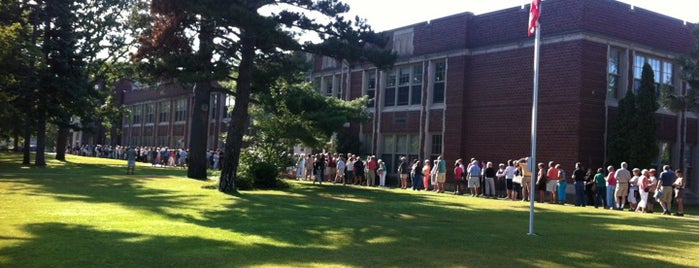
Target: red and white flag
[(534, 16)]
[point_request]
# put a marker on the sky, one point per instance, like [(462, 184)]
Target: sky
[(390, 14)]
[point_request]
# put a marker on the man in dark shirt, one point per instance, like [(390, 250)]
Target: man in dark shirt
[(579, 176)]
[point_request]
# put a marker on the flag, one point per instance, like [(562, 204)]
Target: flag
[(534, 16)]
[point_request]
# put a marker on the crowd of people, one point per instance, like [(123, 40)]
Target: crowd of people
[(156, 156), (610, 189)]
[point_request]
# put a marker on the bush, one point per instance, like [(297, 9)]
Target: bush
[(244, 182), (265, 175)]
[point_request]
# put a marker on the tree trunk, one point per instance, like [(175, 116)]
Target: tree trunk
[(61, 141), (16, 141), (199, 128), (239, 116), (26, 158), (40, 159), (199, 132), (683, 137)]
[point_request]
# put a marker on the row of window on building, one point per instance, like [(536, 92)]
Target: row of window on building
[(145, 112)]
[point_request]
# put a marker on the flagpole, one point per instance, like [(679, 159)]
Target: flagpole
[(535, 108)]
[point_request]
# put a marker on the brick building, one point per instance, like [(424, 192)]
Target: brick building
[(162, 116), (462, 86)]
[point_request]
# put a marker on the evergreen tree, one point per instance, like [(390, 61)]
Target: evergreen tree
[(644, 143), (624, 126), (684, 101), (249, 36)]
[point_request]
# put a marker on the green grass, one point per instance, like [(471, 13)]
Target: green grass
[(86, 213)]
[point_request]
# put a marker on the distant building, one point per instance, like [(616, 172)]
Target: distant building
[(162, 116), (462, 86)]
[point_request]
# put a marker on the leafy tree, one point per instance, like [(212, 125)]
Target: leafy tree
[(246, 34), (624, 126), (645, 147), (684, 101)]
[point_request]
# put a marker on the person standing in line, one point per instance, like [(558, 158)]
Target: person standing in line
[(579, 178), (130, 161), (500, 184), (623, 177), (403, 172), (441, 171), (416, 175), (459, 181), (349, 176), (601, 189), (509, 180), (611, 187), (458, 176), (427, 173), (381, 171), (652, 187), (358, 171), (340, 170), (667, 178), (562, 185), (489, 174), (552, 182), (643, 187), (590, 187), (679, 192), (371, 167), (542, 182), (633, 189), (474, 172)]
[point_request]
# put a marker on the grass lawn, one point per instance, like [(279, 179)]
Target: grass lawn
[(86, 213)]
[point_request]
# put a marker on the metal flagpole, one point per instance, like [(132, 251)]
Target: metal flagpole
[(535, 108)]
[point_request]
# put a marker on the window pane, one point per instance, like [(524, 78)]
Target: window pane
[(404, 76), (390, 97), (401, 144), (436, 144), (614, 61), (371, 81), (655, 64), (667, 73), (439, 71), (438, 94), (414, 144), (417, 74), (391, 78), (416, 95), (612, 85), (403, 95), (370, 94), (638, 66), (388, 145)]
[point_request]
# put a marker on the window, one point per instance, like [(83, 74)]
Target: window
[(164, 111), (436, 148), (162, 141), (662, 71), (147, 141), (390, 96), (416, 87), (180, 110), (439, 82), (666, 75), (404, 86), (371, 88), (150, 113), (213, 107), (613, 73), (328, 86), (403, 42), (137, 113), (230, 101)]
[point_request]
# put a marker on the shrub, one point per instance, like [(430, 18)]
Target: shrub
[(265, 175)]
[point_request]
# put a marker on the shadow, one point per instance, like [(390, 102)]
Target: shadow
[(328, 225)]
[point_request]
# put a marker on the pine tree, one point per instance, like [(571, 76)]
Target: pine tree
[(644, 142), (624, 126)]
